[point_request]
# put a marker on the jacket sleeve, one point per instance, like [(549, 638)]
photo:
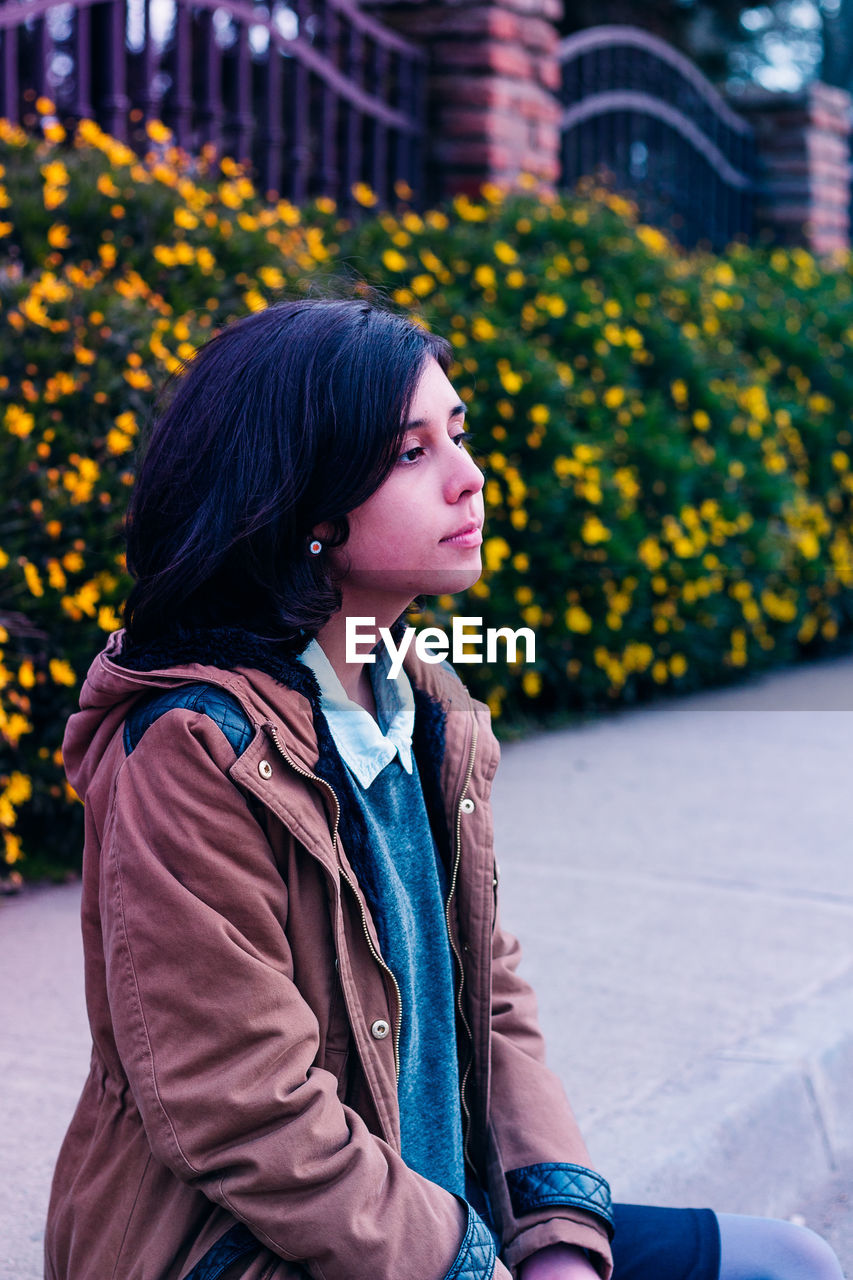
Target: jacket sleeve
[(540, 1180), (219, 1047)]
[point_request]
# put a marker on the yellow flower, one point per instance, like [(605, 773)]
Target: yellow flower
[(651, 553), (484, 275), (13, 851), (594, 531), (127, 421), (55, 174), (494, 700), (808, 629), (422, 285), (531, 683), (108, 619), (564, 467), (780, 608), (107, 187), (61, 672), (185, 218), (678, 664), (469, 211), (637, 656), (158, 132), (482, 329), (540, 414), (26, 674), (19, 788), (577, 619), (229, 195), (614, 397), (495, 551), (653, 239), (394, 260), (505, 253), (17, 421), (58, 236), (660, 672), (364, 195), (34, 582), (511, 381), (55, 577), (117, 442)]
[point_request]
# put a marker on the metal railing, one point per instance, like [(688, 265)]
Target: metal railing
[(640, 114), (314, 94)]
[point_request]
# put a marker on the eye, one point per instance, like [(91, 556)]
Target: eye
[(461, 438), (411, 455)]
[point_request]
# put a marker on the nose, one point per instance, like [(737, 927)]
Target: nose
[(464, 475)]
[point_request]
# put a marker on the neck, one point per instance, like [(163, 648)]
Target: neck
[(355, 676)]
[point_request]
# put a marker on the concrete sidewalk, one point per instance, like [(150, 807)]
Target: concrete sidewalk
[(681, 877)]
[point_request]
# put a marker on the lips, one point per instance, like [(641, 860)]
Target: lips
[(468, 535)]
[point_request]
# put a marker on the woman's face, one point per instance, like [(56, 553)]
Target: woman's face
[(420, 532)]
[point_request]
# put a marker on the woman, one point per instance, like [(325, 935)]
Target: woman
[(312, 1053)]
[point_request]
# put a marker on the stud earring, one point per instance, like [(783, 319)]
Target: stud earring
[(315, 547)]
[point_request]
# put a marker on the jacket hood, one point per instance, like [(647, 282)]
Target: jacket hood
[(122, 674)]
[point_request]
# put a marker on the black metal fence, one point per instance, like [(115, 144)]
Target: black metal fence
[(316, 95), (641, 115)]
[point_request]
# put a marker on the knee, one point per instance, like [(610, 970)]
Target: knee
[(804, 1255), (770, 1249)]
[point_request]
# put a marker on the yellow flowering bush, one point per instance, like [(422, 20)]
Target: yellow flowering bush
[(113, 268), (666, 437)]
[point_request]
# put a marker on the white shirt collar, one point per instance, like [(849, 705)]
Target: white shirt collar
[(364, 748)]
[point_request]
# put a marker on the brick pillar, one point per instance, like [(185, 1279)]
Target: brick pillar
[(493, 79), (803, 142)]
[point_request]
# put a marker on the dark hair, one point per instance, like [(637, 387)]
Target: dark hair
[(288, 418)]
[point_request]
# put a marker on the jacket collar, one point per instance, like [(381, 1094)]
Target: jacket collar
[(280, 682)]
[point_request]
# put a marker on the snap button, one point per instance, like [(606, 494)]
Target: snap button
[(380, 1029), (265, 769), (467, 806)]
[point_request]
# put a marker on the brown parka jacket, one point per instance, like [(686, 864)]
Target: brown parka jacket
[(244, 1025)]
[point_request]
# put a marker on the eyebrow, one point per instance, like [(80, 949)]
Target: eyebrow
[(455, 412)]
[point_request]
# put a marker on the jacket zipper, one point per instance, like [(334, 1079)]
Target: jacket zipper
[(304, 773), (459, 990)]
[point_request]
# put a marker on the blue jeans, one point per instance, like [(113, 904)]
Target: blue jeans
[(653, 1243)]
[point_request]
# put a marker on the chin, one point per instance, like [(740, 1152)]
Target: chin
[(449, 582)]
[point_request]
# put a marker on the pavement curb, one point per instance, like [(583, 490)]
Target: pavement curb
[(748, 1128)]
